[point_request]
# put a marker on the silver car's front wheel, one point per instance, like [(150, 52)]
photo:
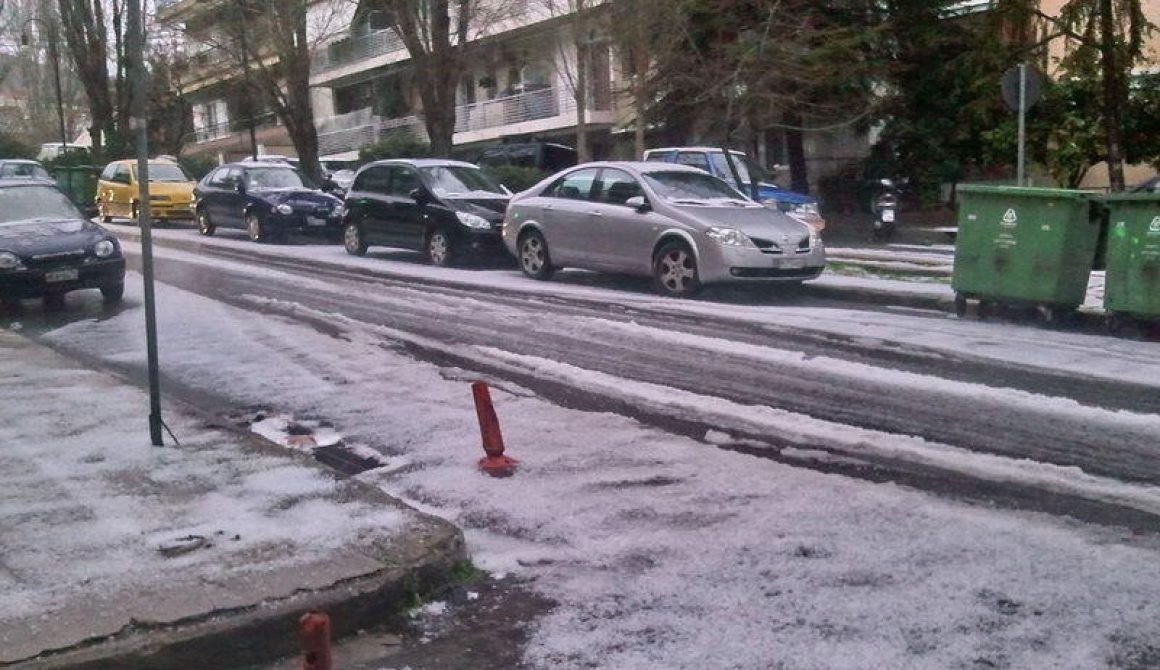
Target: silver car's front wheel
[(533, 255), (675, 270)]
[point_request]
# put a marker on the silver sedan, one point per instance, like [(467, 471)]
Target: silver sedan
[(679, 225)]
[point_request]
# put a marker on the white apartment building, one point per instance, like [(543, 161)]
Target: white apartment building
[(519, 82)]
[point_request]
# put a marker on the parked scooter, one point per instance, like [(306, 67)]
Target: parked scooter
[(884, 206)]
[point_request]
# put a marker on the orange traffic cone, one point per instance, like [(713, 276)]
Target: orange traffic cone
[(314, 634), (494, 463)]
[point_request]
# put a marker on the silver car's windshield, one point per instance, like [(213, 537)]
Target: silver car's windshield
[(460, 180), (29, 203), (693, 187)]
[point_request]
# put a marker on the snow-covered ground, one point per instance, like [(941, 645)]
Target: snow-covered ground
[(668, 552), (100, 527)]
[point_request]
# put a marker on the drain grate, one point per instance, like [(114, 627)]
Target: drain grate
[(340, 458)]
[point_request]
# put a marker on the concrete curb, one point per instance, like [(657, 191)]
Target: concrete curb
[(267, 631), (361, 586)]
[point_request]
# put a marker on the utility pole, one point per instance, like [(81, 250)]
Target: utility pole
[(144, 215)]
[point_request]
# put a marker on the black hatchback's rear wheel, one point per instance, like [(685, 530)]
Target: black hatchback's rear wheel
[(675, 270), (353, 240)]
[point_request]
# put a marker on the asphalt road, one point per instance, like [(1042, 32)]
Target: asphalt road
[(450, 324)]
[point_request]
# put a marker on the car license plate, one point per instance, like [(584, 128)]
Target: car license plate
[(888, 215), (54, 276), (315, 221), (792, 264)]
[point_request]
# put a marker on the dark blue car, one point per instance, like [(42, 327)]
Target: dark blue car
[(48, 248), (268, 200)]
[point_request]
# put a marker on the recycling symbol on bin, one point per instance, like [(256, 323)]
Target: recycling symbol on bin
[(1010, 218), (1154, 227)]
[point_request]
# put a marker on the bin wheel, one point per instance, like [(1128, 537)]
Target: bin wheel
[(1114, 323), (960, 305), (1050, 315), (985, 310)]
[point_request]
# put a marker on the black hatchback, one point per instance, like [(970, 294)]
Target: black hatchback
[(48, 248), (266, 199), (448, 209)]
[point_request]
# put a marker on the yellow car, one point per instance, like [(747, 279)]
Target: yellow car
[(170, 191)]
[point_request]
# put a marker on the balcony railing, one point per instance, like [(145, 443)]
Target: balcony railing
[(354, 49), (351, 132), (344, 133), (219, 130), (529, 106)]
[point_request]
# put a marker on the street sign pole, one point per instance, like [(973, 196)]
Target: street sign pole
[(1021, 86), (144, 215), (1020, 176)]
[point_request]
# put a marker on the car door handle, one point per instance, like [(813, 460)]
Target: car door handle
[(595, 213)]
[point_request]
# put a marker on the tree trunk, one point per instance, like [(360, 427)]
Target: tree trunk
[(796, 155), (426, 32), (580, 93), (438, 75), (639, 101), (1113, 90), (85, 35)]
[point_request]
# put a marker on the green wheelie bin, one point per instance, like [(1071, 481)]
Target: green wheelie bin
[(1024, 247), (1132, 280), (79, 182)]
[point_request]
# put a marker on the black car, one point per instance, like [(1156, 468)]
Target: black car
[(543, 156), (266, 199), (48, 248), (449, 209)]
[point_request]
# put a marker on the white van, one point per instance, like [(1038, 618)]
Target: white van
[(53, 150)]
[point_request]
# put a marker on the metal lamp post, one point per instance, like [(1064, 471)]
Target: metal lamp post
[(54, 57), (138, 116)]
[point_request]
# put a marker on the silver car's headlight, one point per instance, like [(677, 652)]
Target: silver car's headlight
[(9, 261), (284, 209), (105, 248), (729, 237), (473, 220)]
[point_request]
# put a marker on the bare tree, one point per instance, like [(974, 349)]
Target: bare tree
[(87, 37), (437, 34), (585, 29), (436, 44), (642, 31), (270, 42)]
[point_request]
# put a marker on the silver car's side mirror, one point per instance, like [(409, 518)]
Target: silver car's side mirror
[(638, 203)]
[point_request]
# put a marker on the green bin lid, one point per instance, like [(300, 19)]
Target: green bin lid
[(1129, 197), (1024, 191)]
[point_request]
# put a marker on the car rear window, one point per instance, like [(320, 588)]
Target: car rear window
[(167, 172)]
